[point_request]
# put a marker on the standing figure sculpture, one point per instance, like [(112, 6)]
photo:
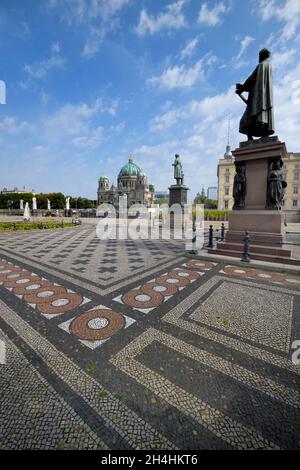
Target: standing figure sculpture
[(258, 118), (276, 186), (239, 187), (178, 174)]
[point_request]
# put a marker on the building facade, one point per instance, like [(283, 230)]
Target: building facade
[(132, 182), (291, 172)]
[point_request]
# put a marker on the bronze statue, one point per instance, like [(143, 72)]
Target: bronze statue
[(258, 118), (178, 174), (276, 186), (239, 187)]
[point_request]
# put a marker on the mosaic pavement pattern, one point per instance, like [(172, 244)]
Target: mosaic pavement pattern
[(164, 352)]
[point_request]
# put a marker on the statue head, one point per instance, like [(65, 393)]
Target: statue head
[(176, 156), (264, 54)]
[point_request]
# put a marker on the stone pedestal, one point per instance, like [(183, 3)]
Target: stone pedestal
[(177, 195), (265, 226)]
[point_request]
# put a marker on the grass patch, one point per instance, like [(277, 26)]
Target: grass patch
[(12, 226), (90, 367)]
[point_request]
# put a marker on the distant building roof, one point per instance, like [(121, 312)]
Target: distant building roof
[(131, 169)]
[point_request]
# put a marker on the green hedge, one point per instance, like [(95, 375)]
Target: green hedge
[(11, 226), (214, 214)]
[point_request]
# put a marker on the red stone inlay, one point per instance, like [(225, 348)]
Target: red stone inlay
[(181, 280), (34, 298), (80, 328), (74, 300), (12, 283), (48, 304), (130, 298), (171, 289), (35, 282), (200, 264)]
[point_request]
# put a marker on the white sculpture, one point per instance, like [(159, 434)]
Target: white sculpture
[(67, 203), (21, 205), (48, 205), (34, 206), (27, 214)]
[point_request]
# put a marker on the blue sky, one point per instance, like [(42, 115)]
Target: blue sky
[(91, 81)]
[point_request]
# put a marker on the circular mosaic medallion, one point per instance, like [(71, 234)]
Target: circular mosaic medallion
[(141, 298), (59, 303), (25, 278), (235, 271), (178, 277), (36, 283), (163, 288), (97, 324), (44, 294), (194, 263), (9, 271)]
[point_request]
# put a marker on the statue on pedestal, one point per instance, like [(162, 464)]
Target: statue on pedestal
[(178, 174), (34, 204), (276, 186), (239, 187), (258, 118)]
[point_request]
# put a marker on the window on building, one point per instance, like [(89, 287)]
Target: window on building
[(295, 189), (296, 175), (295, 203), (283, 203), (226, 204), (226, 191), (226, 178)]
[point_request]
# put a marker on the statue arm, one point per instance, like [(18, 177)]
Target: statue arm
[(248, 84)]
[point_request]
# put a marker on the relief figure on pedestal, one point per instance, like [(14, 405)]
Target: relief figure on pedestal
[(239, 187), (276, 185)]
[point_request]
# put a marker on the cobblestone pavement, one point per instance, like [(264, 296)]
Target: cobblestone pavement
[(133, 345)]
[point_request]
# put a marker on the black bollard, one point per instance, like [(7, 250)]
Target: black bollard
[(210, 237), (222, 232), (245, 257), (194, 242)]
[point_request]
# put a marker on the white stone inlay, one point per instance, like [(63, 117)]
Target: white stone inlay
[(60, 302), (143, 298), (98, 323), (45, 293), (22, 281)]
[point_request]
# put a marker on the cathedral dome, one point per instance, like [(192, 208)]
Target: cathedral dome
[(131, 169)]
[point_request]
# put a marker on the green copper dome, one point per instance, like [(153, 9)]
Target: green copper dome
[(103, 178), (131, 169)]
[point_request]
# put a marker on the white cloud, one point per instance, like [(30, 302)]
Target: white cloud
[(162, 122), (287, 11), (171, 18), (189, 49), (11, 125), (213, 16), (40, 69), (245, 42), (99, 16), (282, 58), (90, 141), (179, 76), (208, 109)]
